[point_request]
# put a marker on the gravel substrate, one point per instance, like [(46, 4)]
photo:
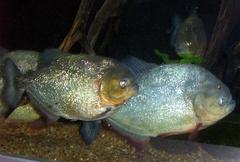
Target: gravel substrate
[(62, 142)]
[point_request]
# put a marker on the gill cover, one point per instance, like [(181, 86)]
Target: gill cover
[(117, 85)]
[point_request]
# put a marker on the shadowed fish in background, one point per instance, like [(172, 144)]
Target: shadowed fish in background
[(188, 36)]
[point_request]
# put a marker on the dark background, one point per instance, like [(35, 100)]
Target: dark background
[(144, 24)]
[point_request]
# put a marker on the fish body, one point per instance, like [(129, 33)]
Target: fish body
[(76, 87), (189, 36), (173, 99)]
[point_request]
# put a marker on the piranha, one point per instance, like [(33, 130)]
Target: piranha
[(189, 35), (173, 99), (75, 87)]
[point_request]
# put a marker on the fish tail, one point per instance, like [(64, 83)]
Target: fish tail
[(11, 94)]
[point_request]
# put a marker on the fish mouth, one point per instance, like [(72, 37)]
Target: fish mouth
[(209, 117), (231, 105)]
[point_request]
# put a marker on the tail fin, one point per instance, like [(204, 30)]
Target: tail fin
[(11, 95)]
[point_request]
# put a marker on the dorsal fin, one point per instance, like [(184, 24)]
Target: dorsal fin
[(137, 66), (49, 55)]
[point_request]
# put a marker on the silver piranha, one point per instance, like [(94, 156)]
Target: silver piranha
[(173, 99), (76, 87)]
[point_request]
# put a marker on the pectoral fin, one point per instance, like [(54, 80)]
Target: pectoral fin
[(194, 133), (48, 56), (89, 130)]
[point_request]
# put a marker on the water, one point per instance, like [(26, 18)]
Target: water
[(143, 26)]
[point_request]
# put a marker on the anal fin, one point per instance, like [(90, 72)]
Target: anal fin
[(194, 134)]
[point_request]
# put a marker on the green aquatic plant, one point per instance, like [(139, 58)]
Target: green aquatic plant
[(186, 58), (165, 57)]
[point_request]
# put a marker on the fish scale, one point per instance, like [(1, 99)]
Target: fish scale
[(55, 81), (167, 101), (76, 87)]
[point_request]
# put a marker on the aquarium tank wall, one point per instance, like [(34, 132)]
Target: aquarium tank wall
[(119, 80)]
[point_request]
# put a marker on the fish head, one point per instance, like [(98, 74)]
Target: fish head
[(213, 102), (183, 47), (118, 85)]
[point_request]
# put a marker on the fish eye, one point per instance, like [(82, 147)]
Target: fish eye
[(188, 43), (221, 101), (123, 83), (218, 86)]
